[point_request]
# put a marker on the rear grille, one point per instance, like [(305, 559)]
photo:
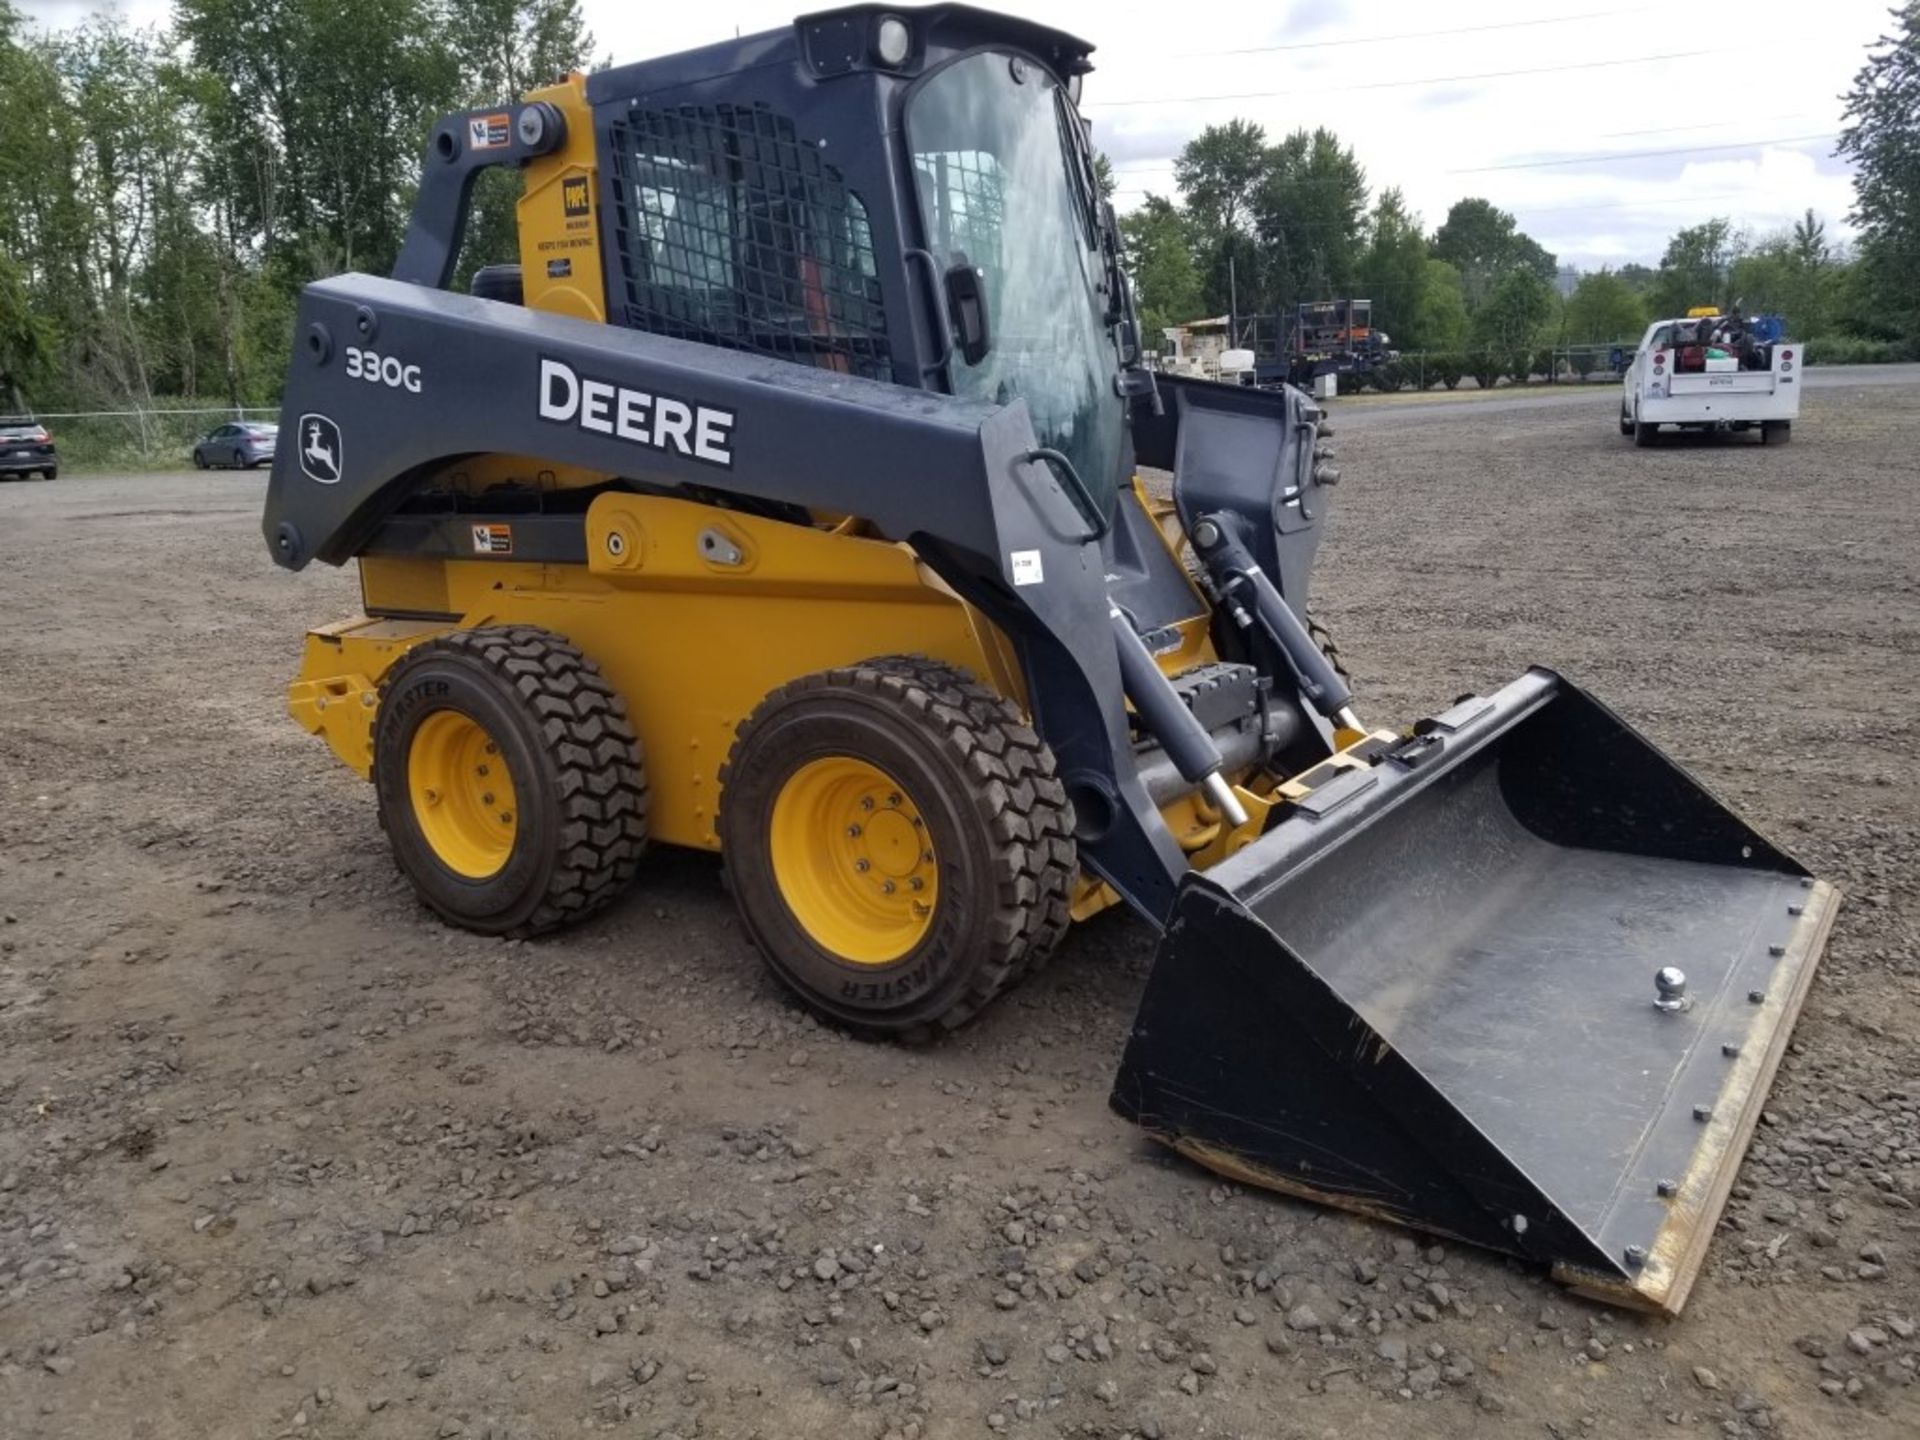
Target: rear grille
[(732, 231)]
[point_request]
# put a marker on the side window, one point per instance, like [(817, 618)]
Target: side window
[(732, 230)]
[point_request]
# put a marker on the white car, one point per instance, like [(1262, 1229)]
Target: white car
[(1680, 377)]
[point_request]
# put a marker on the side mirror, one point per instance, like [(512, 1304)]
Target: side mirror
[(966, 285)]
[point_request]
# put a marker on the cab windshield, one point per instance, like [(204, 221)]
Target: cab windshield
[(998, 163)]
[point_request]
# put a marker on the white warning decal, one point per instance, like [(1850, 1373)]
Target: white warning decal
[(1026, 567)]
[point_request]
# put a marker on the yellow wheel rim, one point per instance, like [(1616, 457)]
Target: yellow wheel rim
[(462, 794), (853, 860)]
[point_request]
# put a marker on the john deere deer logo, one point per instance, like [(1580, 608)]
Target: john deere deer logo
[(319, 449)]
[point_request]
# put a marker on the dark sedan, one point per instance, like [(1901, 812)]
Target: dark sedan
[(241, 445), (26, 448)]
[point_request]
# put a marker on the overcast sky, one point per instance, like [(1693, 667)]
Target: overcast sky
[(1548, 111)]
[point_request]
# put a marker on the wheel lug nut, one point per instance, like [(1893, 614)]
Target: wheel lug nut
[(492, 749), (927, 855), (506, 817), (918, 823), (894, 798), (486, 799), (916, 883), (853, 832), (863, 866), (866, 802), (479, 769), (886, 887)]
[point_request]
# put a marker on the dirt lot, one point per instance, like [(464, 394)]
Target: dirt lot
[(280, 1155)]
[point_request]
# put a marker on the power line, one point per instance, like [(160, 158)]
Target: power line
[(1422, 34), (1640, 154), (1523, 211), (1402, 84), (1135, 167)]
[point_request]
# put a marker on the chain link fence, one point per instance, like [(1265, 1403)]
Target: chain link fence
[(1483, 369), (156, 438)]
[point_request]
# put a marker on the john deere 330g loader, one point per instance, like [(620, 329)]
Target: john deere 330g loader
[(781, 503)]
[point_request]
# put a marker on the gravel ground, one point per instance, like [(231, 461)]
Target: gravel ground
[(280, 1155)]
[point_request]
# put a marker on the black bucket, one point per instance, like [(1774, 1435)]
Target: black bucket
[(1428, 993)]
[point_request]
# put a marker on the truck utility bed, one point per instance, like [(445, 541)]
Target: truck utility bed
[(1707, 375)]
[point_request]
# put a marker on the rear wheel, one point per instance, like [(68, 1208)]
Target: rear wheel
[(898, 843), (1626, 421), (199, 458), (1776, 432), (1644, 434), (239, 459), (510, 783)]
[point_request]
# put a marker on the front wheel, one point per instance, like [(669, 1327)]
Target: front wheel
[(898, 843), (510, 783), (199, 459), (1776, 432)]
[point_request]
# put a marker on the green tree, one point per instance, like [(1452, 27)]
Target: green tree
[(25, 340), (1158, 254), (1484, 243), (1514, 313), (1103, 175), (1603, 309), (1393, 270), (1789, 274), (320, 110), (1441, 322), (1697, 268), (1808, 239), (1219, 172), (1310, 216), (1882, 138)]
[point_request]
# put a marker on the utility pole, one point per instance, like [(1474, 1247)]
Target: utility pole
[(1233, 300)]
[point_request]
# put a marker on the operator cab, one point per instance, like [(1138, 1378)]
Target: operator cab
[(744, 204)]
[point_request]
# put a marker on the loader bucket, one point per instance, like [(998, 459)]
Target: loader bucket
[(1427, 994)]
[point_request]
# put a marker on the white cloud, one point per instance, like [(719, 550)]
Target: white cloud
[(1757, 70)]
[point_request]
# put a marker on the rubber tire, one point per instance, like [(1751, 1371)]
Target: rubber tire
[(576, 765), (996, 812), (53, 474), (1645, 435), (239, 459), (1626, 421), (1776, 432), (199, 458), (1323, 637)]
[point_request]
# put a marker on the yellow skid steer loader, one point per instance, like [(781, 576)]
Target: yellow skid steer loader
[(781, 502)]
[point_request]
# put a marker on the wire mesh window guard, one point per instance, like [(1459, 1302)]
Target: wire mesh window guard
[(733, 231)]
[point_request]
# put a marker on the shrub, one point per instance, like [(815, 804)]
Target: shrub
[(1448, 366), (1856, 350)]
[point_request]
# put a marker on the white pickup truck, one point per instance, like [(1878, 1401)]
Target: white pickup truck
[(1679, 377)]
